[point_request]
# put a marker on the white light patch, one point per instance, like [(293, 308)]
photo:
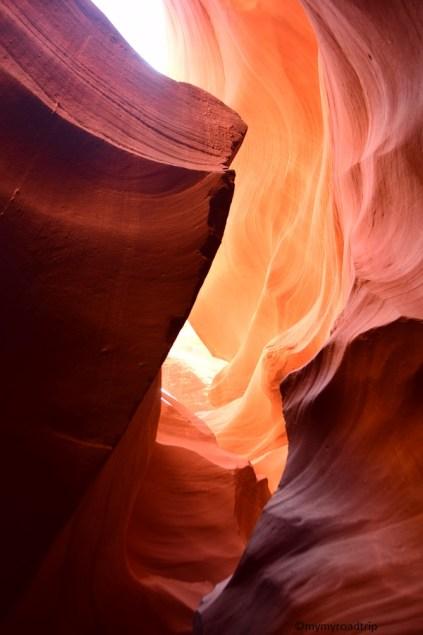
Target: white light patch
[(143, 25)]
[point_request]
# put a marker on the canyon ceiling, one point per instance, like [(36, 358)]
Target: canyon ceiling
[(256, 470)]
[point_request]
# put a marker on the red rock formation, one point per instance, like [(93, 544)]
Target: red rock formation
[(323, 223), (340, 542), (115, 190), (279, 270), (146, 543), (191, 519), (114, 195)]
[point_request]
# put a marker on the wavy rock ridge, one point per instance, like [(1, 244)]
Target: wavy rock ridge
[(122, 507), (115, 191), (334, 251), (320, 239)]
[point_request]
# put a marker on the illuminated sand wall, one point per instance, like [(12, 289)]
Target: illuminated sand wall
[(125, 504)]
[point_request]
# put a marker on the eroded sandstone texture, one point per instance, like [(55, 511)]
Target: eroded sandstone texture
[(327, 212), (121, 507), (340, 542), (114, 196)]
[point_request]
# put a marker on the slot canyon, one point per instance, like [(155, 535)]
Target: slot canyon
[(211, 302)]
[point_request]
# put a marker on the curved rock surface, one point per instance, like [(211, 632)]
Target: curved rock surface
[(280, 264), (121, 506), (332, 218), (328, 247), (340, 542), (114, 194), (149, 538)]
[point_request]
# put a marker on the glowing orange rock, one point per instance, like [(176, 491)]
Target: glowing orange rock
[(340, 542), (328, 194), (278, 272), (113, 208)]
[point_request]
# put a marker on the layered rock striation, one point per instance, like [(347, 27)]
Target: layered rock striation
[(114, 194), (122, 507), (340, 541)]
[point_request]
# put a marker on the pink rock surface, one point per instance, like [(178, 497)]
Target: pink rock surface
[(328, 233), (340, 542), (122, 507)]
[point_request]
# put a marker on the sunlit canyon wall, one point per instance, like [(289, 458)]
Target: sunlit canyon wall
[(123, 505)]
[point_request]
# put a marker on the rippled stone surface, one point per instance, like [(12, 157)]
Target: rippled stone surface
[(121, 506), (114, 193), (340, 542)]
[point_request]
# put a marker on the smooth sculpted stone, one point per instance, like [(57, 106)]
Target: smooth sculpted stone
[(120, 507), (340, 542), (325, 230), (114, 192)]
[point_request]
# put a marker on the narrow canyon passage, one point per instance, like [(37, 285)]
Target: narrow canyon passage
[(211, 240)]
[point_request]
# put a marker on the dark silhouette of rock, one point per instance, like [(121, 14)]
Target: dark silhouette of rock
[(114, 193), (340, 541)]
